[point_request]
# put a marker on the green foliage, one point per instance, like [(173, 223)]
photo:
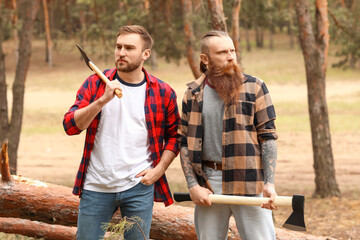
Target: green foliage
[(345, 33), (6, 24)]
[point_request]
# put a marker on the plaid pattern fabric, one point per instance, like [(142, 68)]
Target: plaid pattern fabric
[(246, 123), (162, 120)]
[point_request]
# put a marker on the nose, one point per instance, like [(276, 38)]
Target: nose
[(231, 56), (122, 52)]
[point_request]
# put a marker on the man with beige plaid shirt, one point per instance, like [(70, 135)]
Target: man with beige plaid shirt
[(227, 138)]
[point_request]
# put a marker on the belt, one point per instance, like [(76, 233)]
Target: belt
[(213, 165)]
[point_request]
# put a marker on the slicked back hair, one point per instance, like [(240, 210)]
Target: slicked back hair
[(137, 29), (204, 46)]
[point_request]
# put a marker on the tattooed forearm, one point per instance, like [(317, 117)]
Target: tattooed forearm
[(269, 156), (187, 168)]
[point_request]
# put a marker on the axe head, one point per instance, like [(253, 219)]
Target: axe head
[(296, 220), (86, 58)]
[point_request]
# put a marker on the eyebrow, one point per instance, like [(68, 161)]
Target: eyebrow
[(225, 50), (126, 45)]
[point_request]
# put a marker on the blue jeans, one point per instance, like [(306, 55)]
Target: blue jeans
[(97, 209)]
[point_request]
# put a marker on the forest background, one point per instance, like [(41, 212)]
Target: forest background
[(269, 48)]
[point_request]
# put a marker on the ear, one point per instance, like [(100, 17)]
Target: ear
[(146, 54), (204, 58)]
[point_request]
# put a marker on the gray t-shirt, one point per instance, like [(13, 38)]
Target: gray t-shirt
[(212, 118)]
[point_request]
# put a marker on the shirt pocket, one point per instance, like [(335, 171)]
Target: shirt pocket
[(245, 113)]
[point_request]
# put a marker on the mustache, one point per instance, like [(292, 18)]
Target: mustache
[(227, 70), (227, 80), (121, 59)]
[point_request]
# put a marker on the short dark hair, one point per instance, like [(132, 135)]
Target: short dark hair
[(145, 36), (204, 46)]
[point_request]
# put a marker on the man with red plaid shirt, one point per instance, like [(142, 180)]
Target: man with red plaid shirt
[(130, 141)]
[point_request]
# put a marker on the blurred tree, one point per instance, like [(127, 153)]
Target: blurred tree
[(187, 11), (12, 129), (4, 122), (346, 32), (49, 43), (235, 28), (315, 45), (217, 15)]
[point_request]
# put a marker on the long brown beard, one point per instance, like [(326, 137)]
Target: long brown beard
[(227, 80)]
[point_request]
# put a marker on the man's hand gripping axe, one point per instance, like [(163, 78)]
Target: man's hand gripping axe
[(294, 222), (92, 66)]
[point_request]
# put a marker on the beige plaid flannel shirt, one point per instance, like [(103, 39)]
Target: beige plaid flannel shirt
[(246, 123)]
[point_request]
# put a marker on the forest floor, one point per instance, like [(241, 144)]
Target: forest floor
[(47, 154)]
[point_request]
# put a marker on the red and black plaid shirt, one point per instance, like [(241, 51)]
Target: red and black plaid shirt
[(162, 120)]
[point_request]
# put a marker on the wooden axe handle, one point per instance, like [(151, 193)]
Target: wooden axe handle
[(250, 201), (104, 78), (238, 200)]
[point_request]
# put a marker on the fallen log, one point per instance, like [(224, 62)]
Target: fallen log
[(55, 204), (36, 229)]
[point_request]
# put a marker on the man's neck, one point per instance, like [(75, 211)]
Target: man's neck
[(133, 77)]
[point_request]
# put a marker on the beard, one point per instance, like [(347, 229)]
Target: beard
[(227, 80), (127, 66)]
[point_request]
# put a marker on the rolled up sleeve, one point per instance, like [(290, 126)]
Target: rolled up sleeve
[(265, 115)]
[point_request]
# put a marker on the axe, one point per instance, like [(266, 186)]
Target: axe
[(92, 66), (294, 222)]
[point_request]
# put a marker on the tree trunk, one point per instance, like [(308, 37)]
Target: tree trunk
[(4, 157), (248, 44), (4, 118), (193, 61), (14, 19), (49, 44), (36, 229), (259, 34), (153, 60), (235, 28), (28, 12), (315, 51), (290, 24), (271, 37), (67, 19), (217, 15)]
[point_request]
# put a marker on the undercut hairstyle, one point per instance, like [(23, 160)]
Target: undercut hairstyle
[(204, 45), (145, 36)]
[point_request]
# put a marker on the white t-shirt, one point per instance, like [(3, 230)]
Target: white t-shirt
[(121, 147)]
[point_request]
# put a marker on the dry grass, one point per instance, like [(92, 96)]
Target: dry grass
[(46, 153)]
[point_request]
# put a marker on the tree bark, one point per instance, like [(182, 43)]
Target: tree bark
[(217, 15), (4, 118), (315, 50), (49, 44), (235, 28), (248, 44), (4, 158), (36, 229), (29, 9), (187, 11), (67, 19)]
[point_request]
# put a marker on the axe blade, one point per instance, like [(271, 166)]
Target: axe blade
[(86, 58), (296, 220)]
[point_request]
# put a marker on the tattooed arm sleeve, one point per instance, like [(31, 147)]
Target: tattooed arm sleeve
[(187, 168), (269, 156)]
